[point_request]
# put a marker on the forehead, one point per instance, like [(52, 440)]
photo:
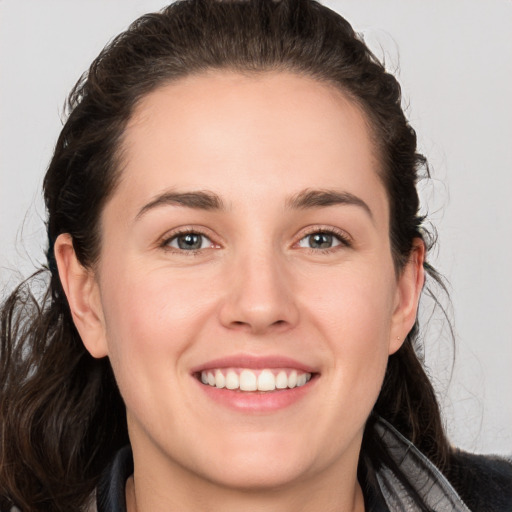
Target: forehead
[(277, 132)]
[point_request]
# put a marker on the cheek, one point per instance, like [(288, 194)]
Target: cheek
[(150, 311), (156, 315), (355, 315), (151, 322), (353, 304)]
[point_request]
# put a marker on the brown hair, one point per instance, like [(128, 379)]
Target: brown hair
[(62, 417)]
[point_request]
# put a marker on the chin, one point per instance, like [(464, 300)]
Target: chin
[(257, 475), (259, 461)]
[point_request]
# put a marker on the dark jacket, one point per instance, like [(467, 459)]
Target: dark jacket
[(478, 483)]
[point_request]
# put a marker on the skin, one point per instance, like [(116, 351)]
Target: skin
[(256, 287)]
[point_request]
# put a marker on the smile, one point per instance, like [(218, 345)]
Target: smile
[(260, 384), (244, 379)]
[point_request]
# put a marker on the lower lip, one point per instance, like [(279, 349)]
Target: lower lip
[(254, 401)]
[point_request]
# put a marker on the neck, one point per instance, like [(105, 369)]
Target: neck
[(321, 492)]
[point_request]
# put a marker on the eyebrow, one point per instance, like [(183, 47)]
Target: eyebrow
[(206, 200), (323, 198), (200, 200)]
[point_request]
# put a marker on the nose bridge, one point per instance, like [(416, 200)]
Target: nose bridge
[(259, 296)]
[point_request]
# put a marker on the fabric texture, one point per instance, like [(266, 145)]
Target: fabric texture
[(483, 483)]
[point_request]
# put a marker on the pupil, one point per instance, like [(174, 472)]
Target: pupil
[(189, 241), (320, 241)]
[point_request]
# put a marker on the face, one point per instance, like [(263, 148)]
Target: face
[(245, 293)]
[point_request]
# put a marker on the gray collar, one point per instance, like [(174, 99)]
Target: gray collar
[(429, 483)]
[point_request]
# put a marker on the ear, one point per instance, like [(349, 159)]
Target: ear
[(410, 284), (82, 292)]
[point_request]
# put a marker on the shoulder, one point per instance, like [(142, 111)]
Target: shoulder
[(484, 482)]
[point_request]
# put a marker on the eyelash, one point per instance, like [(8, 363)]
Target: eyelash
[(164, 244), (342, 237)]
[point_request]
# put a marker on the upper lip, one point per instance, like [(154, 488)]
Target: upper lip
[(254, 362)]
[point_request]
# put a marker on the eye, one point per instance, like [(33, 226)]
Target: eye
[(189, 241), (322, 240)]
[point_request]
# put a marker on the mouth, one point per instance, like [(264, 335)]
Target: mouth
[(251, 380), (249, 384)]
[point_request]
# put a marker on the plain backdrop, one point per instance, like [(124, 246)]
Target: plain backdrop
[(454, 61)]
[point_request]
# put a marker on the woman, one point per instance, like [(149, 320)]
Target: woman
[(236, 261)]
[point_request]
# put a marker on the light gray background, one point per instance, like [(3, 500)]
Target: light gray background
[(454, 61)]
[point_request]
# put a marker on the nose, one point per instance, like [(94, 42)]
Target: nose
[(259, 296)]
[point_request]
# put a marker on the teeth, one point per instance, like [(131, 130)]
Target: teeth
[(292, 379), (281, 380), (266, 381), (248, 380), (220, 380), (232, 380)]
